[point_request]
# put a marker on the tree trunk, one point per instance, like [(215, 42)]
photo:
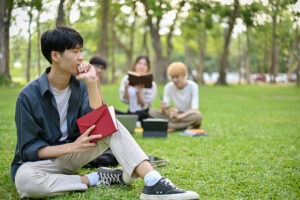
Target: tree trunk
[(128, 49), (6, 7), (7, 25), (145, 48), (3, 5), (274, 64), (60, 20), (265, 62), (170, 34), (298, 52), (224, 58), (248, 57), (103, 32), (131, 43), (113, 61), (291, 58), (240, 57), (38, 43), (291, 61), (29, 46), (202, 52), (187, 57), (161, 61), (103, 48)]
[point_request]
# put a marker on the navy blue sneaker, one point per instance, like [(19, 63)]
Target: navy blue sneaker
[(164, 189)]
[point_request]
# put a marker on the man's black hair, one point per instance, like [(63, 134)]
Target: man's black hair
[(59, 39), (96, 60)]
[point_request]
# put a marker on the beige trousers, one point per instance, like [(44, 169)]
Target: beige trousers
[(193, 119), (54, 177)]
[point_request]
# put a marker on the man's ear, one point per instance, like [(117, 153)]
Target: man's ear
[(55, 56), (186, 76)]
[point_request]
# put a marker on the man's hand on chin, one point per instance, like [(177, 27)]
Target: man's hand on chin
[(86, 72)]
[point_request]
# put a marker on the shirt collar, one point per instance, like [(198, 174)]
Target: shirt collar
[(44, 82)]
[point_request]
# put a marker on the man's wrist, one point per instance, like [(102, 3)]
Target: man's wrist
[(91, 81), (69, 148)]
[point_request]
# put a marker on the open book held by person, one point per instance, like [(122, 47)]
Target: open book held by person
[(104, 119), (136, 79)]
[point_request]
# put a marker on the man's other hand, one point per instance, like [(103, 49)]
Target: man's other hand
[(83, 143)]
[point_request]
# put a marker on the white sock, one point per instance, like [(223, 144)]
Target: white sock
[(93, 178), (152, 178)]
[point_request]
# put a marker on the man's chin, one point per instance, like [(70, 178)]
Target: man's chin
[(75, 72)]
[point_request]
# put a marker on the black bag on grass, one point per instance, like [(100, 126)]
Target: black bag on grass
[(108, 159)]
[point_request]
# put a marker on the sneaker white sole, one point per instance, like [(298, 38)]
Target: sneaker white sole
[(188, 195)]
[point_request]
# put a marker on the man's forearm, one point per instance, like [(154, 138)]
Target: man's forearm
[(55, 151), (191, 111), (95, 99), (100, 91)]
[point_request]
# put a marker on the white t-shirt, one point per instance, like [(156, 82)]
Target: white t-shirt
[(62, 103), (148, 94), (184, 99)]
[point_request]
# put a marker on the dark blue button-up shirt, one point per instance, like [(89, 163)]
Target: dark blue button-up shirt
[(37, 118)]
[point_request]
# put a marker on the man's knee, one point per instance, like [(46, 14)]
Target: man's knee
[(197, 119), (28, 182), (153, 112)]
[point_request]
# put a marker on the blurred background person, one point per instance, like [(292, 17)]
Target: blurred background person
[(184, 94), (137, 97)]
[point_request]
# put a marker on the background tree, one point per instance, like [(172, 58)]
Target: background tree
[(6, 7), (29, 42), (248, 13), (196, 25), (298, 64), (154, 12), (189, 31), (125, 29), (274, 60), (60, 20), (103, 31), (38, 52), (224, 58)]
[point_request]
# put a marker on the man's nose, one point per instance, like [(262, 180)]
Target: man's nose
[(80, 57)]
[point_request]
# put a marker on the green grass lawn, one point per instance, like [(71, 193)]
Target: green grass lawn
[(251, 151)]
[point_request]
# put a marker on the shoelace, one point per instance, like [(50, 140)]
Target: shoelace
[(108, 179), (169, 183)]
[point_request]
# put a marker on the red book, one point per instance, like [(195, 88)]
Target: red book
[(104, 119)]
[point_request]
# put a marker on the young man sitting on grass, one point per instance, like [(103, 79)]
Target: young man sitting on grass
[(50, 147), (184, 94)]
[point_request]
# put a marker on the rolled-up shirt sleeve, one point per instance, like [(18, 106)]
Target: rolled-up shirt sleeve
[(195, 97), (28, 132), (167, 95)]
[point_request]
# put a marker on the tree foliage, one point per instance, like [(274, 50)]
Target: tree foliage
[(191, 31)]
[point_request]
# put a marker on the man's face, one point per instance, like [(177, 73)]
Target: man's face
[(99, 70), (70, 59), (179, 81)]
